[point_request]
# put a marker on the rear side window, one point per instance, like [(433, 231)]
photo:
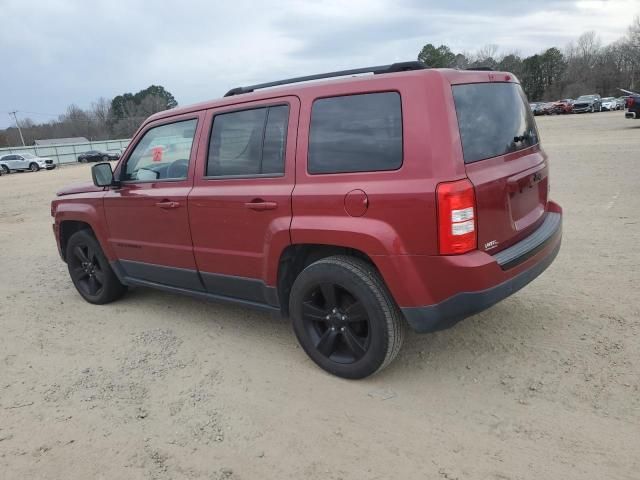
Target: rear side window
[(248, 142), (356, 133), (494, 119)]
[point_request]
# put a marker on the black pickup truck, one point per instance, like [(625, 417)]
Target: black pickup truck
[(632, 104)]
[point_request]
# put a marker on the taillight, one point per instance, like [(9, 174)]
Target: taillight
[(456, 217), (630, 102)]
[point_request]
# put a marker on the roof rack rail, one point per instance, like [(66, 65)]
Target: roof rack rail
[(480, 69), (394, 67)]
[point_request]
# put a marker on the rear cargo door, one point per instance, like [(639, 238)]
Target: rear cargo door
[(503, 160)]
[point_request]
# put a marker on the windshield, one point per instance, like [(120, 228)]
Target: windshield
[(493, 119), (586, 97), (608, 99)]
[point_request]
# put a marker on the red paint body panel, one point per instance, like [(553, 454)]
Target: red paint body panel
[(229, 237), (213, 230)]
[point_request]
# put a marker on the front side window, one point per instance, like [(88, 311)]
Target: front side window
[(248, 142), (162, 154), (356, 133)]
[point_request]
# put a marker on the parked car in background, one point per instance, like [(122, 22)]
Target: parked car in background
[(565, 105), (557, 108), (609, 104), (20, 162), (622, 102), (587, 103), (97, 156), (538, 108), (291, 205)]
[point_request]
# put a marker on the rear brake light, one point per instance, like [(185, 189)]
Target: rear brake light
[(456, 217), (630, 102)]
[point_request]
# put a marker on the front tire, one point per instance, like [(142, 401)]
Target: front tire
[(34, 167), (90, 271), (344, 317)]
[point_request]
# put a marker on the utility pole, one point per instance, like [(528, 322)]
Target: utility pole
[(18, 125)]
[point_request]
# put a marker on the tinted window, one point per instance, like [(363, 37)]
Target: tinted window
[(248, 142), (493, 119), (162, 154), (356, 133)]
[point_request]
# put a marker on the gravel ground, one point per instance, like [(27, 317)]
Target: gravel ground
[(545, 385)]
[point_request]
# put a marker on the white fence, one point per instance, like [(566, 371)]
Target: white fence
[(68, 152)]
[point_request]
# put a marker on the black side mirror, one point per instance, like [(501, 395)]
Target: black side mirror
[(102, 175)]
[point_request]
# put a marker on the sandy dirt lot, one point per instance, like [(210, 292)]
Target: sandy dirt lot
[(545, 385)]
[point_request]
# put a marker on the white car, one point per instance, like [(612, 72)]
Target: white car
[(15, 162), (609, 104)]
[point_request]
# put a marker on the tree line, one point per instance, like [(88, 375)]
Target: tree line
[(105, 119), (583, 67)]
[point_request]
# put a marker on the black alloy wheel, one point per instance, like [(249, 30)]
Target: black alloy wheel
[(86, 270), (344, 316), (90, 270), (337, 323)]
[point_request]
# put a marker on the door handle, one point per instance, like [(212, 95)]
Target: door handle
[(259, 205), (167, 204)]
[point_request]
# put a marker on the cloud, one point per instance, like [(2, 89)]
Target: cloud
[(71, 51)]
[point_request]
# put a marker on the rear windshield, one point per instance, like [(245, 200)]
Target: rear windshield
[(494, 119)]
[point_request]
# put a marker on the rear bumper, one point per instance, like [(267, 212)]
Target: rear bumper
[(528, 259)]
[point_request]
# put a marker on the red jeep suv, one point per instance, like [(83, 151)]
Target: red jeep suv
[(354, 206)]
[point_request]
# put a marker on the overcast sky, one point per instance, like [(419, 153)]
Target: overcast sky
[(57, 52)]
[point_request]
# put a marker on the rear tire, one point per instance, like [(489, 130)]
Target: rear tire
[(6, 170), (344, 317), (90, 271)]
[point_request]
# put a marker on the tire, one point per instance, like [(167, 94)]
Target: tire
[(34, 167), (592, 109), (105, 158), (84, 160), (6, 170), (90, 271), (344, 317)]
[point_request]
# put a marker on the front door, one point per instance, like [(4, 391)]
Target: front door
[(240, 207), (147, 216)]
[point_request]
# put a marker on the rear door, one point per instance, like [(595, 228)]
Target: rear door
[(240, 206), (503, 160)]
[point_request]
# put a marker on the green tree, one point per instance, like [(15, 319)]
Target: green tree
[(441, 57), (532, 77), (129, 110), (511, 63)]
